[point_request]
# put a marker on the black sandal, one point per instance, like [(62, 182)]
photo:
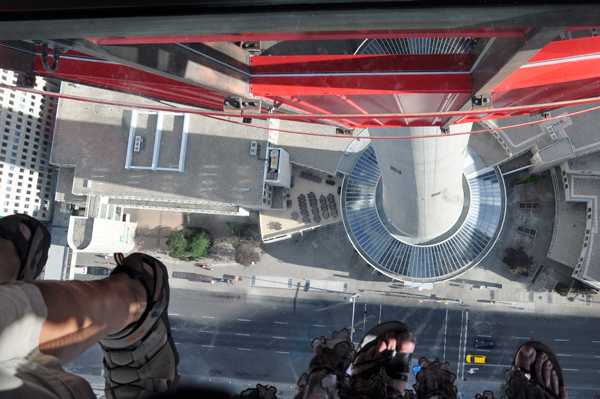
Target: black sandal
[(127, 372), (524, 381), (33, 252), (396, 364)]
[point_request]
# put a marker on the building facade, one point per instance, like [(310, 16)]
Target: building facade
[(26, 176)]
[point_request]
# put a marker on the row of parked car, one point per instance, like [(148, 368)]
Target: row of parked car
[(479, 343)]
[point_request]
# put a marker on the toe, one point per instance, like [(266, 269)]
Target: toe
[(539, 365), (554, 382), (525, 357), (547, 373), (391, 339), (406, 343)]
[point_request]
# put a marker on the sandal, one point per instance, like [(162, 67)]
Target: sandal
[(127, 372), (33, 252), (522, 382), (396, 364)]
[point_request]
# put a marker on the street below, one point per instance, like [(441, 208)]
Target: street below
[(237, 341)]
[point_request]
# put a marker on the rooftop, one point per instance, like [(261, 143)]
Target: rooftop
[(581, 129), (322, 153), (287, 225), (588, 188), (570, 232), (218, 165), (589, 162)]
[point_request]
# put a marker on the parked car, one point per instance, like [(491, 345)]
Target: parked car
[(484, 344), (475, 359), (95, 270)]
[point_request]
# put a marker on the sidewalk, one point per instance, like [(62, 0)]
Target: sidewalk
[(320, 255)]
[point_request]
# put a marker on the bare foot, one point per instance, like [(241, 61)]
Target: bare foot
[(404, 343), (528, 358), (10, 262)]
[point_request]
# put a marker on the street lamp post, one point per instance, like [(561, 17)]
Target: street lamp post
[(353, 300)]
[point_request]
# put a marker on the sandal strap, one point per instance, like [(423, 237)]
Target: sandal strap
[(396, 364), (33, 253), (158, 301), (137, 356), (127, 372), (162, 366)]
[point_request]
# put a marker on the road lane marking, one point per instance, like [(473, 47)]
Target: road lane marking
[(563, 340), (208, 346), (488, 365), (445, 332), (208, 332), (462, 321), (244, 320), (483, 350), (173, 314), (522, 338), (280, 322), (489, 336), (286, 353), (280, 337), (244, 349), (560, 354), (177, 343), (245, 335), (207, 317), (596, 342), (597, 357), (466, 332), (318, 325), (570, 369), (173, 328)]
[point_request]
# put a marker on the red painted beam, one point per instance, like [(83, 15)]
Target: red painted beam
[(568, 48), (576, 28), (544, 74), (129, 80), (362, 84), (358, 63), (329, 35)]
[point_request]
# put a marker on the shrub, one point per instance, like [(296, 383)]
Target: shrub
[(245, 252), (517, 261), (189, 243)]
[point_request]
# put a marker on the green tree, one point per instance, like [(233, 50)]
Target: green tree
[(199, 245), (178, 243), (189, 243)]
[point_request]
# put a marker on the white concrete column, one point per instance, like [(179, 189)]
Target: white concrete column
[(422, 178)]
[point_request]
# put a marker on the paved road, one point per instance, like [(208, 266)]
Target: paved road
[(267, 340)]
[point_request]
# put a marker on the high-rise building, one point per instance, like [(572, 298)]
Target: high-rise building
[(27, 120)]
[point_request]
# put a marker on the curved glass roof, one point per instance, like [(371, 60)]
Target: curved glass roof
[(417, 45), (420, 263)]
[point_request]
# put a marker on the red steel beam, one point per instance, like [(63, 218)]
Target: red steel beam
[(130, 80), (568, 48), (549, 73), (353, 84), (358, 63), (329, 35)]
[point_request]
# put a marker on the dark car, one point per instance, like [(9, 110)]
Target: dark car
[(484, 344), (98, 271)]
